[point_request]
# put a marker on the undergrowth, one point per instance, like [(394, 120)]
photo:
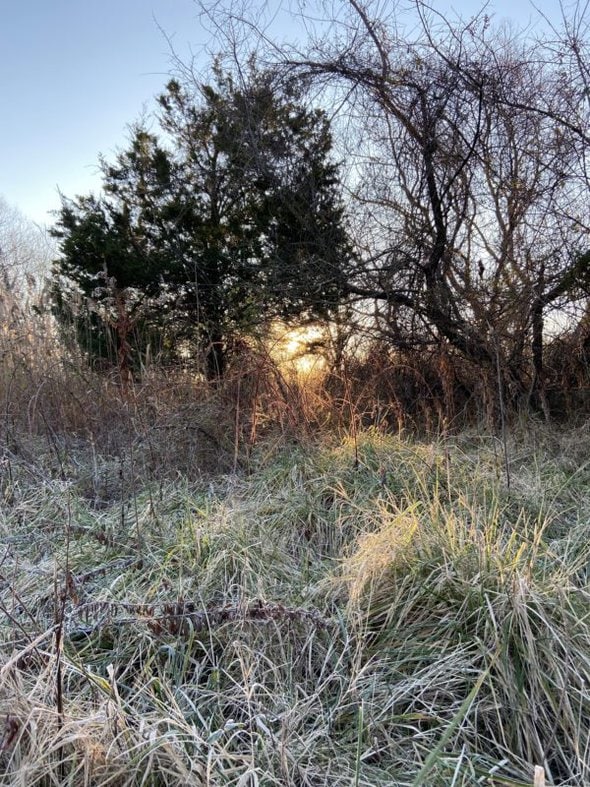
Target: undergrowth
[(367, 611)]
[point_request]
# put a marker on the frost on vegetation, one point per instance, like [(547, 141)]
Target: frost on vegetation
[(344, 611)]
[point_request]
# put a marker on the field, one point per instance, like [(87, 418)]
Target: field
[(338, 608), (295, 401)]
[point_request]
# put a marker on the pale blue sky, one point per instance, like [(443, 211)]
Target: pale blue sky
[(76, 73)]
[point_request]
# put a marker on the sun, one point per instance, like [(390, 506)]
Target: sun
[(291, 349)]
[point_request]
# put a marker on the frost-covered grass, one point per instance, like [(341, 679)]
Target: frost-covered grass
[(385, 613)]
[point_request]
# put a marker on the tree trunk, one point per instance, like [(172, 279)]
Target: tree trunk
[(538, 397), (215, 357)]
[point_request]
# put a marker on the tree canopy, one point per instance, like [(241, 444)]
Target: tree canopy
[(468, 148), (229, 217), (466, 180)]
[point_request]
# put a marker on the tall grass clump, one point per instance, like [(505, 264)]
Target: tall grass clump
[(457, 598), (160, 422)]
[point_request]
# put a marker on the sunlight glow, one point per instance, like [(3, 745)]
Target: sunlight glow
[(291, 349)]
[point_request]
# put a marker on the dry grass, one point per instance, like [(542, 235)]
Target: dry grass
[(397, 620), (240, 585)]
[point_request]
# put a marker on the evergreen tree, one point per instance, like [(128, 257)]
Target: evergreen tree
[(233, 221)]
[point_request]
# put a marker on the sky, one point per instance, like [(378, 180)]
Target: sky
[(76, 73)]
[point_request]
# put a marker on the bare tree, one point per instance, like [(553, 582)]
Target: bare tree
[(25, 251), (468, 174)]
